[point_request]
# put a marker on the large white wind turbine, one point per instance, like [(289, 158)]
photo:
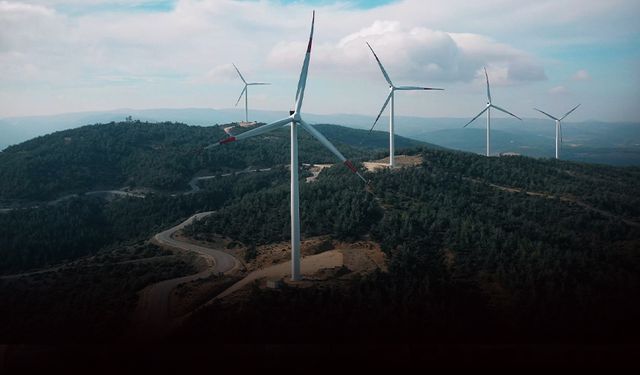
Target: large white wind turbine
[(245, 92), (390, 97), (488, 110), (558, 127), (295, 120)]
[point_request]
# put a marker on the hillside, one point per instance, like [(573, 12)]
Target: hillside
[(478, 249), (159, 156), (614, 143), (500, 249)]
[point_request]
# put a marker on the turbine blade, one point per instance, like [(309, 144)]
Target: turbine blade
[(384, 72), (560, 126), (242, 93), (546, 114), (241, 77), (325, 142), (488, 89), (302, 82), (416, 88), (568, 113), (386, 102), (478, 115), (263, 129), (505, 111), (253, 132)]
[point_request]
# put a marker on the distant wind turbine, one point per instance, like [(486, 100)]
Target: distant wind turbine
[(390, 97), (245, 92), (558, 127), (488, 110), (295, 120)]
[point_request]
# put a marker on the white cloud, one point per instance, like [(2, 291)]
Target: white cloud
[(23, 25), (559, 90), (415, 53), (44, 44), (581, 75)]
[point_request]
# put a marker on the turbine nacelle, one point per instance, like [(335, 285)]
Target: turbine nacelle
[(294, 115), (392, 89), (558, 122), (490, 104), (487, 109), (245, 90)]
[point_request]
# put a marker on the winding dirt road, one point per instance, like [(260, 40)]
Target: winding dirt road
[(152, 316)]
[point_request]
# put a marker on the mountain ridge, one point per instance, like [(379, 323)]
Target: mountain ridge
[(589, 141)]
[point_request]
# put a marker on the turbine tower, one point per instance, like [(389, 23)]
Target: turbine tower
[(391, 97), (245, 92), (488, 110), (558, 127), (295, 120)]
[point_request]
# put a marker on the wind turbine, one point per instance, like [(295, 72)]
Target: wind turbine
[(245, 92), (391, 97), (558, 127), (295, 120), (488, 110)]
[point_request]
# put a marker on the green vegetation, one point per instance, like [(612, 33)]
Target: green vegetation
[(467, 259), (39, 237), (336, 204), (162, 156), (472, 255)]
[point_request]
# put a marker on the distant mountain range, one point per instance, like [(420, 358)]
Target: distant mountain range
[(589, 141)]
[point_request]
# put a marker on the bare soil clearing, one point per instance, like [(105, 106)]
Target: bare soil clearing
[(401, 161), (324, 260), (315, 170)]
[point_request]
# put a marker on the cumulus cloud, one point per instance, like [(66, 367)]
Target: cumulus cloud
[(416, 53), (93, 43), (581, 75)]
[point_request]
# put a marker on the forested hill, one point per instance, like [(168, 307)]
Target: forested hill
[(509, 248), (501, 249), (161, 156)]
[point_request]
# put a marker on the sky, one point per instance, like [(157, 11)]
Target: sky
[(59, 56)]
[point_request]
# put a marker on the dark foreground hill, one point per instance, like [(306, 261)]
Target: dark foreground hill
[(500, 251)]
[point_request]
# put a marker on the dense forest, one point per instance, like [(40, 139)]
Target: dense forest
[(161, 156), (467, 258), (480, 249), (38, 237)]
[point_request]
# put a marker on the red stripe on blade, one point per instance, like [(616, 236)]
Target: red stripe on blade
[(350, 166), (228, 140)]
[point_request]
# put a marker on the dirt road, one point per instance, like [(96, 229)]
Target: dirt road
[(152, 316)]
